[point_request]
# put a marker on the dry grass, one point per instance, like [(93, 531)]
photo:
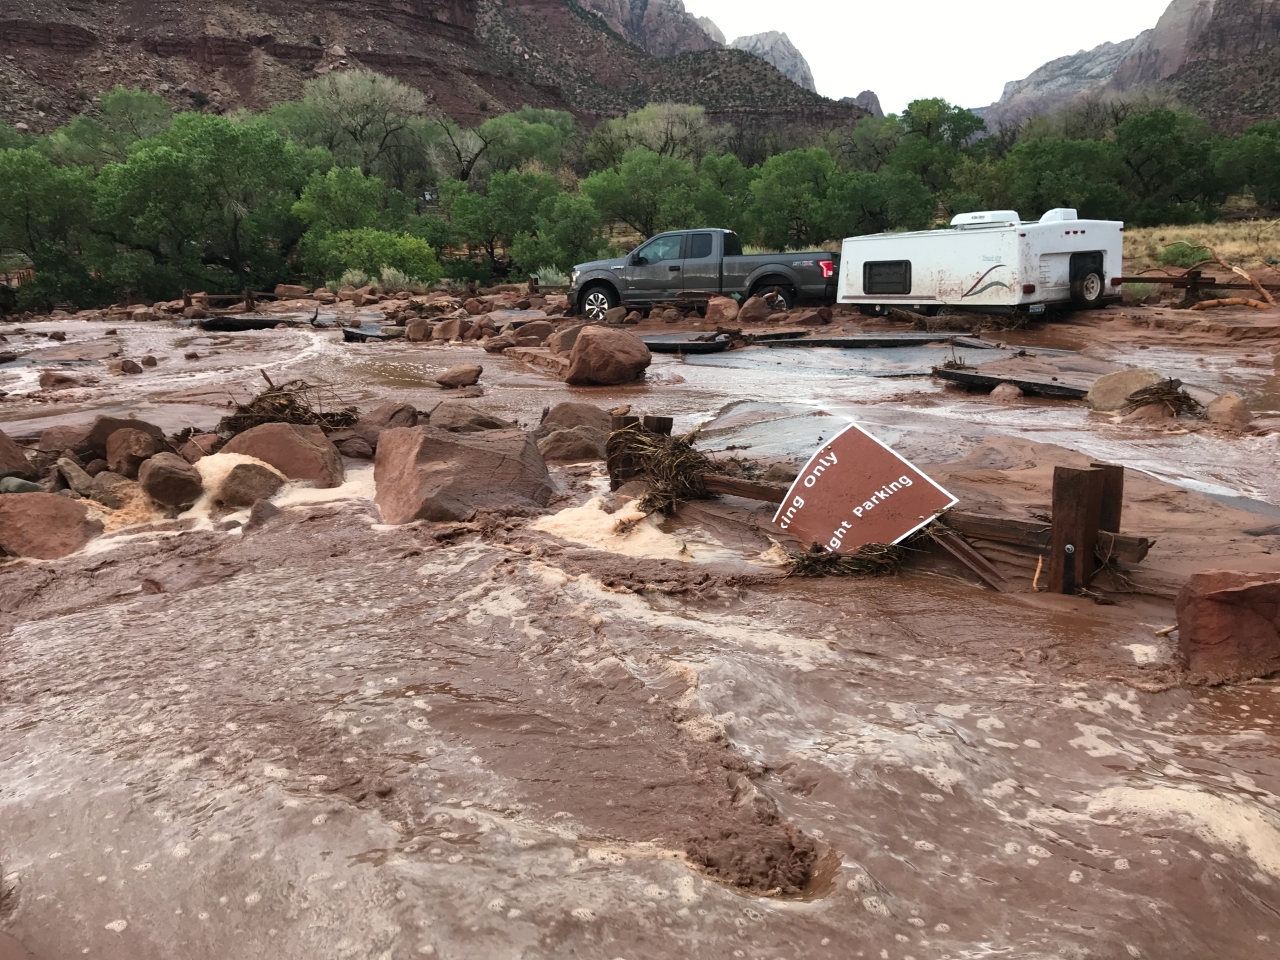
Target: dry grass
[(1251, 244), (872, 560)]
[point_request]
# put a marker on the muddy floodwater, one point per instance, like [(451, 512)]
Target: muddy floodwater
[(332, 738)]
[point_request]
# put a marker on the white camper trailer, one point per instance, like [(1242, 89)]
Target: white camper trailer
[(990, 262)]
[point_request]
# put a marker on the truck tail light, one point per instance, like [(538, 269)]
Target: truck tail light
[(1028, 288), (1117, 282), (828, 268)]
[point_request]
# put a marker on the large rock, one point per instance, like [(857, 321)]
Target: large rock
[(536, 328), (566, 416), (384, 417), (128, 448), (578, 445), (755, 310), (451, 329), (498, 344), (722, 310), (299, 452), (458, 416), (461, 376), (1229, 625), (13, 461), (44, 526), (1229, 410), (247, 483), (94, 443), (423, 473), (170, 481), (562, 341), (419, 330), (605, 356), (1111, 391)]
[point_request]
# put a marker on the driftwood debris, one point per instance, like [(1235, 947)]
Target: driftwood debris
[(1230, 302), (297, 402)]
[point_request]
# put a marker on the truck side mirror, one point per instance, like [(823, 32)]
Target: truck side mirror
[(637, 260)]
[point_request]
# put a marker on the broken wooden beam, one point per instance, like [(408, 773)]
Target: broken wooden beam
[(1036, 536), (749, 489), (962, 550)]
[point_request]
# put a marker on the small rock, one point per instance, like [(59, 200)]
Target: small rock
[(1006, 392), (457, 416), (95, 467), (541, 329), (632, 318), (149, 361), (473, 307), (755, 310), (812, 318), (262, 511), (615, 316), (247, 483), (57, 380), (59, 336), (566, 416), (7, 356), (498, 344), (1110, 393), (1147, 412), (18, 485), (198, 446), (170, 481), (356, 449), (112, 490), (419, 330), (781, 473), (460, 376), (191, 355), (384, 417), (123, 365), (127, 449), (722, 310), (579, 445), (78, 479), (1229, 410), (12, 457), (289, 291)]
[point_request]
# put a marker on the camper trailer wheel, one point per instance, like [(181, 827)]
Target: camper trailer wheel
[(1087, 291), (944, 311)]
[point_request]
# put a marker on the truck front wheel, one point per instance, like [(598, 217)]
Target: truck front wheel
[(1087, 291), (597, 301), (785, 297)]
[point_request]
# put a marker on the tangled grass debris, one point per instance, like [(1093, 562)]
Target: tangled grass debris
[(672, 466), (297, 402), (871, 560), (1171, 394)]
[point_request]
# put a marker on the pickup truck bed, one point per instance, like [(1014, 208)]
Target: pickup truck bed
[(676, 265)]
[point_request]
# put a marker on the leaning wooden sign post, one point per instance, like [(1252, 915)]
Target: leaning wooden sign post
[(855, 491)]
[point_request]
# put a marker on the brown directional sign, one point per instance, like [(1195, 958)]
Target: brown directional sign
[(855, 491)]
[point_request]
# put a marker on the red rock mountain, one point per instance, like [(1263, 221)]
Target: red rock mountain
[(472, 58)]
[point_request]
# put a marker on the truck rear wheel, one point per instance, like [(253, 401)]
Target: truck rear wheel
[(1088, 290), (597, 301)]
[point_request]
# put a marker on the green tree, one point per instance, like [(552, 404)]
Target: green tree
[(345, 199), (1167, 161), (44, 204), (124, 117), (723, 197), (1042, 174), (566, 232), (668, 129), (492, 218), (937, 121), (1253, 160), (329, 256), (647, 191), (208, 198), (515, 139), (790, 198), (860, 202)]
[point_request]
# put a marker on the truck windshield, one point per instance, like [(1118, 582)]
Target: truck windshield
[(732, 245)]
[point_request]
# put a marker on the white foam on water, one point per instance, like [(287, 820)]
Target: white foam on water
[(1232, 823), (628, 532)]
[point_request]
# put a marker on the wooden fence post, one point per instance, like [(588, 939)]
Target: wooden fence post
[(1077, 507), (1112, 496)]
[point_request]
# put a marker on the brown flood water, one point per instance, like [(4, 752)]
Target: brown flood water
[(330, 738)]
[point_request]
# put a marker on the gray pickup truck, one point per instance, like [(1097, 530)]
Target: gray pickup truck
[(674, 265)]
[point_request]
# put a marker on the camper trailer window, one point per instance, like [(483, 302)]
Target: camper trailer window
[(887, 276), (699, 247)]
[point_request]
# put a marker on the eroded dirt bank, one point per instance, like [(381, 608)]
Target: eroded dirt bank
[(329, 737)]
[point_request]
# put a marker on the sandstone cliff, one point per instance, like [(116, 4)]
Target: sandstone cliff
[(660, 27), (715, 33), (471, 58), (777, 49), (868, 101)]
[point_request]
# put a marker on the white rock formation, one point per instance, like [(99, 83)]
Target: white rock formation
[(777, 49)]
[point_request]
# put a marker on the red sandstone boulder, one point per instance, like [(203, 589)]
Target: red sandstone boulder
[(95, 441), (170, 481), (423, 473), (128, 448), (419, 330), (289, 291), (12, 459), (299, 452), (44, 526), (562, 341), (1229, 625), (536, 328), (722, 310), (451, 329), (604, 356), (755, 310), (461, 376), (385, 417)]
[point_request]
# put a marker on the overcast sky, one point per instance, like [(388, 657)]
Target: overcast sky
[(962, 50)]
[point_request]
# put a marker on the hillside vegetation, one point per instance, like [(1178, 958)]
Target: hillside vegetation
[(360, 174)]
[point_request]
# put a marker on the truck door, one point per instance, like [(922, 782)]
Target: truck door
[(654, 270), (702, 263)]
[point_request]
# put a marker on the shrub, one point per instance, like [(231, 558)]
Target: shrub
[(354, 278), (550, 277), (369, 250), (1183, 254), (396, 281)]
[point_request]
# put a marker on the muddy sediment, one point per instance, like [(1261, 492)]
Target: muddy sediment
[(324, 736)]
